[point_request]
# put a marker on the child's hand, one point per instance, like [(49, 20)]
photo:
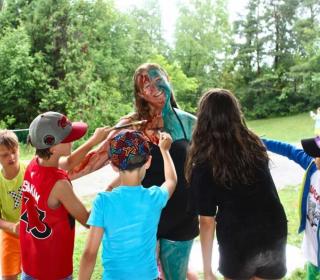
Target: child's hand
[(165, 141), (100, 134)]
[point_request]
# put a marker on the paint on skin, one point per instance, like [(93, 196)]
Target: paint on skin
[(161, 86), (166, 120), (157, 91)]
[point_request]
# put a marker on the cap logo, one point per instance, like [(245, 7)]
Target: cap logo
[(63, 122), (49, 140)]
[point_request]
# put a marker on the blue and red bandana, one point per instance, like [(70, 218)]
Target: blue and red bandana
[(129, 150)]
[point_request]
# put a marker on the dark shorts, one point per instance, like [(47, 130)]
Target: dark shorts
[(266, 264)]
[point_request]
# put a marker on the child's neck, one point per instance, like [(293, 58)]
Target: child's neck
[(11, 172), (130, 178), (53, 161)]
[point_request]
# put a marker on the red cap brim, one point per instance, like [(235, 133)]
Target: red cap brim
[(79, 129)]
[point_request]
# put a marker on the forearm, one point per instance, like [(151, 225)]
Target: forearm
[(7, 226), (207, 230), (89, 256), (82, 216), (78, 155), (87, 264)]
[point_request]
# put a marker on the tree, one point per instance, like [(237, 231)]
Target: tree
[(23, 81), (305, 74), (184, 87), (203, 40), (250, 50)]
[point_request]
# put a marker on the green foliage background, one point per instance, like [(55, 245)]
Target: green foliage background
[(78, 57)]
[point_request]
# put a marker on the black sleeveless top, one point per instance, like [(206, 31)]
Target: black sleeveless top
[(178, 221)]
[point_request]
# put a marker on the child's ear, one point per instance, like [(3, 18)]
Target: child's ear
[(114, 168), (148, 162), (52, 150)]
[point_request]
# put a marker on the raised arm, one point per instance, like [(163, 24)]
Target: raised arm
[(170, 174), (69, 162), (289, 151), (94, 160)]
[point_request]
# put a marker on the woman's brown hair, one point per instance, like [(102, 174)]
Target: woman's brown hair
[(222, 140)]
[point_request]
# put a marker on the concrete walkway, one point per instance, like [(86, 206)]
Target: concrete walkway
[(284, 172)]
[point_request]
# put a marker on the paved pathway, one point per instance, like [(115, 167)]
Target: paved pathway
[(284, 172)]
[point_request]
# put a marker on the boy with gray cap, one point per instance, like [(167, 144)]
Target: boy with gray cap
[(49, 205)]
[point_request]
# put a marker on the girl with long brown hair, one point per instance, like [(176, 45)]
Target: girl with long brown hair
[(227, 168)]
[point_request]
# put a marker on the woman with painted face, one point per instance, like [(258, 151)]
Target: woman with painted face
[(155, 104)]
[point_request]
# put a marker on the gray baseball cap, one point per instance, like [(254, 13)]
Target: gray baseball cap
[(51, 128)]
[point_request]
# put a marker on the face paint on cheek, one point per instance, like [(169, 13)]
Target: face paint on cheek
[(142, 81), (161, 82)]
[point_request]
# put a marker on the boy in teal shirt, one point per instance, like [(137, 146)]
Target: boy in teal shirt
[(126, 219)]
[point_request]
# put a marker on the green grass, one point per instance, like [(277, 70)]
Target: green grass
[(289, 129), (81, 237), (289, 197), (299, 274)]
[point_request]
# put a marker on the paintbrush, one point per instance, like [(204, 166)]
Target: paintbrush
[(126, 125)]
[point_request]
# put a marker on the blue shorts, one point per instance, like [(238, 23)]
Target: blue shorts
[(25, 276)]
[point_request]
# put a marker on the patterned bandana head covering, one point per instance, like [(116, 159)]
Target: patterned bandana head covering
[(129, 150)]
